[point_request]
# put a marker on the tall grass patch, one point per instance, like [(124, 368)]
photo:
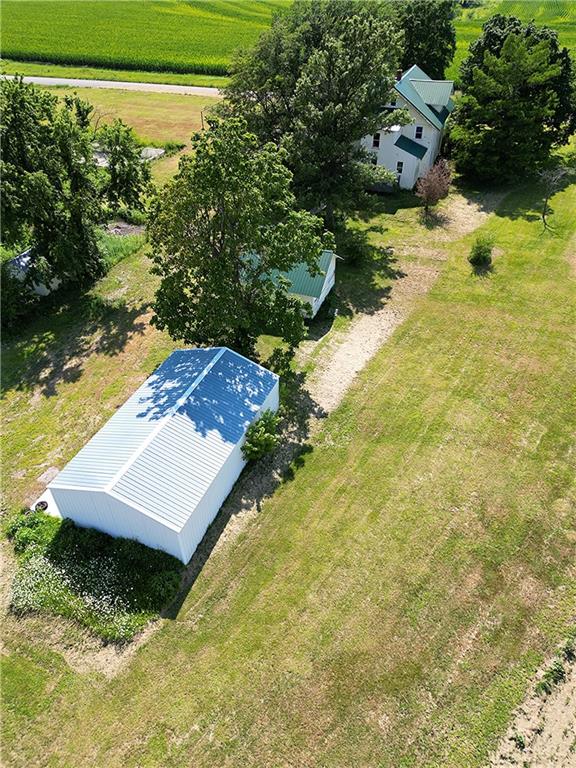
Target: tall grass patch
[(114, 587)]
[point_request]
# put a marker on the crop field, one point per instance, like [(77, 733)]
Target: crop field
[(189, 37), (194, 36)]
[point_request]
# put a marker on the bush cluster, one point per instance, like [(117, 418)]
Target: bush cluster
[(16, 298), (112, 586), (481, 252), (261, 437)]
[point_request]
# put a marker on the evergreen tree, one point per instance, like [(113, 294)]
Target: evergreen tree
[(503, 124)]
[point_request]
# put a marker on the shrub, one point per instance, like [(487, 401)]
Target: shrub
[(481, 252), (434, 185), (554, 674), (261, 437), (16, 298), (112, 586)]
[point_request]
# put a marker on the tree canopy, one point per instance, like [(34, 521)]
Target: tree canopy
[(54, 195), (128, 177), (50, 193), (507, 120), (429, 34), (220, 230), (315, 84), (562, 122)]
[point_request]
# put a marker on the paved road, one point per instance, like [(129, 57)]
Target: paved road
[(73, 82)]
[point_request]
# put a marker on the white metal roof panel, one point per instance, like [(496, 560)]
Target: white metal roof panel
[(172, 473), (104, 456)]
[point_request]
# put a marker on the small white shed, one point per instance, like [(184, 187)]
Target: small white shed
[(161, 467)]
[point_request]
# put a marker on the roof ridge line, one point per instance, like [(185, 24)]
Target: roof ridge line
[(164, 420)]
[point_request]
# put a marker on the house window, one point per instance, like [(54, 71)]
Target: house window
[(419, 131), (399, 167), (376, 141), (393, 101)]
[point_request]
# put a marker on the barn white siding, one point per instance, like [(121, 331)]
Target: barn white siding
[(160, 469)]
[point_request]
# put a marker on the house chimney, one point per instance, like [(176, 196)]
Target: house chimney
[(398, 75)]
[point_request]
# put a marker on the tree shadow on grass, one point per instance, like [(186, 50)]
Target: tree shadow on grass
[(51, 349), (259, 480), (363, 274), (512, 201), (432, 219)]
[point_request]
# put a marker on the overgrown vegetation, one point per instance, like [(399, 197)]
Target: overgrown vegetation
[(114, 587), (262, 436)]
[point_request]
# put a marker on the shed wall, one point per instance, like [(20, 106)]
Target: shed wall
[(208, 507), (97, 509)]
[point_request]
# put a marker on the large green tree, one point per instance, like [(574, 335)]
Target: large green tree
[(220, 230), (562, 122), (50, 195), (429, 34), (315, 83), (127, 178), (502, 125)]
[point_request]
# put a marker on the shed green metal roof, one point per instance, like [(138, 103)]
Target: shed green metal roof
[(302, 282), (412, 147), (408, 87)]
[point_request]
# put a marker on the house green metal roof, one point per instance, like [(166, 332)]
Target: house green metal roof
[(412, 147), (302, 282), (416, 87), (434, 92)]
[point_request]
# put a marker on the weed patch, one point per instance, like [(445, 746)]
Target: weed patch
[(114, 587)]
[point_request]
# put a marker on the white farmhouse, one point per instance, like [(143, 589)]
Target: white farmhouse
[(409, 151)]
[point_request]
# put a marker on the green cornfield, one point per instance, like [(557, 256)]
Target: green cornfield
[(197, 36), (194, 36)]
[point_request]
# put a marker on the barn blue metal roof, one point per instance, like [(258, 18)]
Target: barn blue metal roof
[(161, 450)]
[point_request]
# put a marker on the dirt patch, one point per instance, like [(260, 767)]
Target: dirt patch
[(462, 215), (123, 229), (571, 254), (346, 357), (542, 733)]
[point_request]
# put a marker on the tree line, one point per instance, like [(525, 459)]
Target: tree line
[(279, 170)]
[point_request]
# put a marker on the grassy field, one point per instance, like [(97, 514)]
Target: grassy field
[(156, 118), (390, 603), (158, 40), (99, 73), (194, 36)]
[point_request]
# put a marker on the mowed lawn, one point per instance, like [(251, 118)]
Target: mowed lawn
[(391, 602)]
